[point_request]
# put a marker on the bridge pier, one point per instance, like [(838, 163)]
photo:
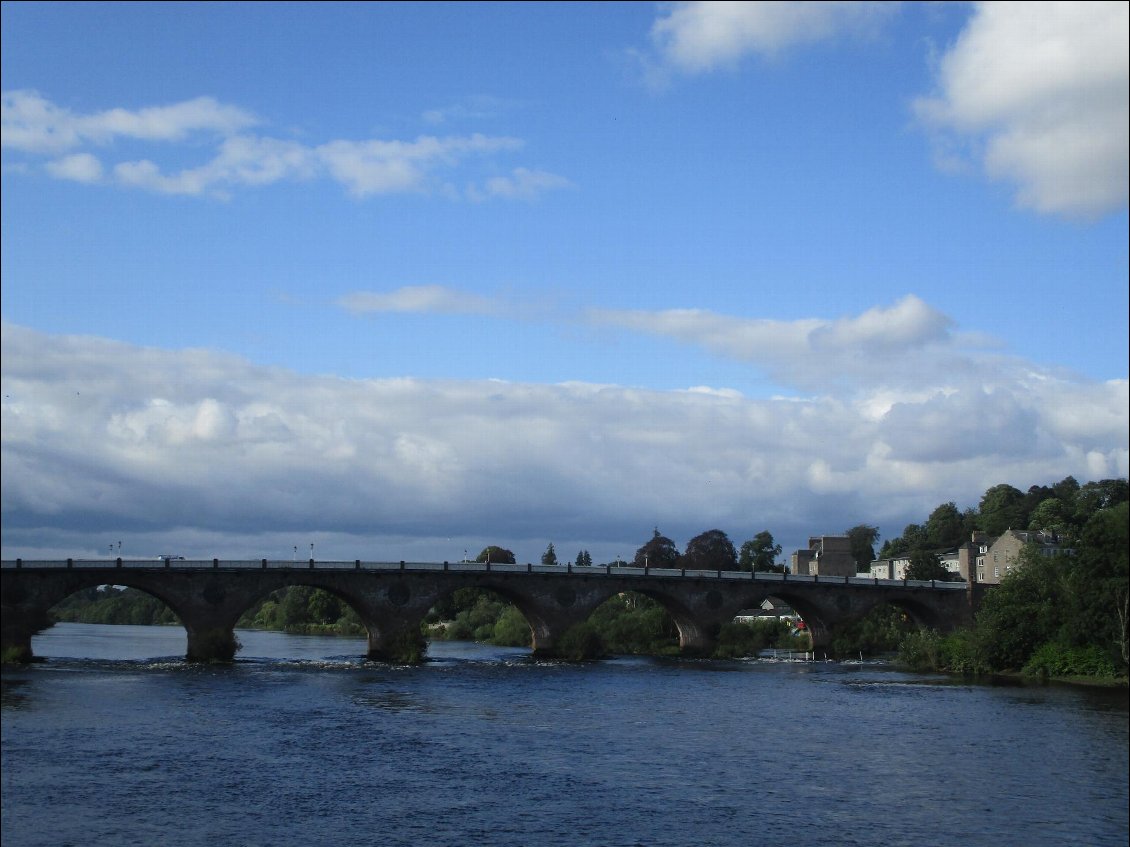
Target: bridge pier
[(15, 643), (404, 646), (213, 644)]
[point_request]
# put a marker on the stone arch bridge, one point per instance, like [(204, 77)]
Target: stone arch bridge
[(392, 598)]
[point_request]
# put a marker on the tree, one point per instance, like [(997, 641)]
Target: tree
[(584, 560), (1094, 496), (925, 565), (1002, 509), (496, 555), (549, 557), (1066, 489), (1025, 611), (760, 553), (323, 608), (711, 550), (863, 538), (1100, 582), (944, 527), (659, 552), (1052, 515)]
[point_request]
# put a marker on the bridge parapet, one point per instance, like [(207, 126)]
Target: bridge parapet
[(467, 567)]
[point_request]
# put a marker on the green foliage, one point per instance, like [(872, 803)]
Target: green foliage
[(736, 640), (511, 629), (957, 652), (496, 555), (408, 647), (921, 650), (302, 610), (1099, 582), (580, 643), (633, 623), (16, 656), (863, 538), (584, 560), (659, 552), (1059, 660), (1002, 508), (110, 604), (879, 631), (944, 527), (549, 557), (711, 550), (1025, 611), (480, 615), (760, 553), (925, 565), (1062, 615)]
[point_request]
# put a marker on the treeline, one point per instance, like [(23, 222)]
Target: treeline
[(1051, 616), (1062, 509), (710, 550)]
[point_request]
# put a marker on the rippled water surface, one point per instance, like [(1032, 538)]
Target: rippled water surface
[(115, 741)]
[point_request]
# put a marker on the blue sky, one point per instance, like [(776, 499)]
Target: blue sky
[(408, 279)]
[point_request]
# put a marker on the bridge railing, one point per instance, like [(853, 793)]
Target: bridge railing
[(175, 563)]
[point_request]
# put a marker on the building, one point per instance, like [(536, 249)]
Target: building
[(955, 560), (1002, 555), (770, 610), (983, 558), (827, 555)]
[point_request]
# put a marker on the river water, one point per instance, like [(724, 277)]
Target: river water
[(115, 741)]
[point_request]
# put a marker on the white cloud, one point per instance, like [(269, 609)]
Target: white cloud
[(418, 298), (1038, 94), (33, 125), (79, 167), (522, 183), (696, 37), (381, 167), (884, 345), (103, 437)]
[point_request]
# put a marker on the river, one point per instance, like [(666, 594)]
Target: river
[(113, 740)]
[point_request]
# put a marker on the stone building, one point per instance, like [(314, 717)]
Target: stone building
[(1002, 555), (827, 555)]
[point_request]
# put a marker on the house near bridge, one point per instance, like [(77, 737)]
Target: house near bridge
[(987, 559)]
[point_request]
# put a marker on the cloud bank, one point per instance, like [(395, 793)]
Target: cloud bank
[(37, 128), (218, 456)]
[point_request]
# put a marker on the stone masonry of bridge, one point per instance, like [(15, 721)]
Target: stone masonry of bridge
[(392, 599)]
